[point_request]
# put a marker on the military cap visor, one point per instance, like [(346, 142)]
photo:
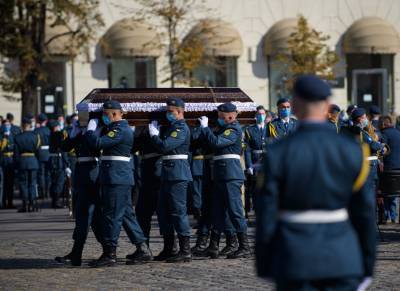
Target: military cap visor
[(112, 105), (176, 102), (42, 117), (227, 107), (26, 120), (374, 110), (311, 88), (358, 112)]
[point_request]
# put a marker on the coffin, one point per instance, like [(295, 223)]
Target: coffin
[(144, 105)]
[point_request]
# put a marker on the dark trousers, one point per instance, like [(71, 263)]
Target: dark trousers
[(196, 192), (27, 180), (339, 284), (117, 210), (43, 179), (87, 213), (172, 210), (57, 185), (1, 188), (8, 186), (228, 200), (147, 203)]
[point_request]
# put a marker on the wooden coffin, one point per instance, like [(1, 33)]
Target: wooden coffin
[(141, 106)]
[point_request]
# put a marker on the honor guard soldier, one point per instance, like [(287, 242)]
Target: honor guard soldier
[(116, 181), (26, 146), (374, 115), (15, 130), (43, 156), (283, 125), (174, 144), (228, 174), (255, 142), (87, 204), (315, 215), (333, 117), (7, 164)]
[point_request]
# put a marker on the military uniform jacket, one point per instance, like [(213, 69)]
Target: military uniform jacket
[(226, 140), (197, 153), (25, 148), (332, 124), (316, 169), (116, 140), (255, 142), (57, 157), (277, 128), (150, 159), (175, 140), (43, 152), (391, 137), (86, 172)]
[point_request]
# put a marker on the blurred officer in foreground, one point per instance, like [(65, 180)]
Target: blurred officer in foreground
[(316, 215), (26, 146), (116, 181), (7, 163), (284, 124), (87, 204), (226, 143), (175, 176), (43, 156), (255, 141), (333, 117)]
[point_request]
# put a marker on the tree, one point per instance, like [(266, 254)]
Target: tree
[(24, 39), (307, 53), (172, 17)]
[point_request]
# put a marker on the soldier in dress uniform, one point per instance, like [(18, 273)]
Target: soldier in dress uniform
[(87, 203), (26, 146), (255, 140), (174, 144), (333, 117), (7, 163), (374, 115), (226, 143), (43, 156), (116, 181), (15, 129), (315, 215), (283, 125)]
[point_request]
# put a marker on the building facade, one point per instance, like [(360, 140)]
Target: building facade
[(365, 35)]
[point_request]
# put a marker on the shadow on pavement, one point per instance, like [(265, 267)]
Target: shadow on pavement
[(25, 263)]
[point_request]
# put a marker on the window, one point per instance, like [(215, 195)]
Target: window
[(132, 73), (221, 74)]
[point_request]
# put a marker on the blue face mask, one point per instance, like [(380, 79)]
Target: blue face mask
[(285, 112), (260, 118), (364, 123), (170, 116), (106, 119), (221, 121)]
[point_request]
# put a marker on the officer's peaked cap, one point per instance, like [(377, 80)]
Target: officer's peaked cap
[(112, 104), (358, 112), (42, 117), (334, 108), (374, 110), (227, 107), (26, 120), (311, 88), (176, 102)]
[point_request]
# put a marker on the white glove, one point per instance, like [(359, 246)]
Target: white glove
[(250, 171), (203, 121), (7, 133), (68, 172), (92, 124), (366, 282), (153, 130), (133, 128)]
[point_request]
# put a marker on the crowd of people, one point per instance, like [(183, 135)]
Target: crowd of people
[(120, 178)]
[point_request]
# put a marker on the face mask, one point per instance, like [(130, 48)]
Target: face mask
[(285, 112), (260, 118), (106, 119), (61, 124), (170, 116), (364, 123), (221, 121), (33, 125), (7, 127)]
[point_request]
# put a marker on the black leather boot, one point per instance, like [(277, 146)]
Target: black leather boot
[(23, 209), (231, 245), (74, 258), (244, 247), (107, 259), (212, 250), (169, 249), (184, 254), (201, 245), (142, 254)]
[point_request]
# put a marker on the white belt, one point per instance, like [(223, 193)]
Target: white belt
[(372, 158), (314, 216), (87, 159), (228, 156), (44, 147), (55, 155), (175, 157), (151, 155), (115, 158), (258, 151)]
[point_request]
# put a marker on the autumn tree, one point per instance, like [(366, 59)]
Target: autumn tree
[(24, 39), (307, 53)]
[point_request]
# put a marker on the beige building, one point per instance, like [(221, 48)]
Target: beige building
[(365, 34)]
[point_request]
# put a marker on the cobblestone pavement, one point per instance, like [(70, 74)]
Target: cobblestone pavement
[(29, 242)]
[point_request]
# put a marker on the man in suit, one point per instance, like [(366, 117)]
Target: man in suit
[(316, 213)]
